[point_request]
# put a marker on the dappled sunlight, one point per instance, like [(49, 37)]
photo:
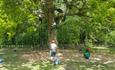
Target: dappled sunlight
[(38, 55), (70, 60), (57, 34)]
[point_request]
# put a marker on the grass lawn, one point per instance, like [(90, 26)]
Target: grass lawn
[(25, 59)]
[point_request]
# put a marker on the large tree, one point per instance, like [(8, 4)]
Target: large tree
[(38, 21), (56, 11)]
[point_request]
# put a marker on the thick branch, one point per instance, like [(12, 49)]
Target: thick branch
[(77, 14)]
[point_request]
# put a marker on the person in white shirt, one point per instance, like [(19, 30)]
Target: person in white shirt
[(53, 48)]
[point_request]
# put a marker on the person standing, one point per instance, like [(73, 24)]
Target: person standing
[(53, 48)]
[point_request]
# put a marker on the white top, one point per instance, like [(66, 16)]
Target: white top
[(53, 46)]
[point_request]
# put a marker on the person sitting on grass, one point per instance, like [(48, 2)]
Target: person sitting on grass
[(87, 53), (56, 60)]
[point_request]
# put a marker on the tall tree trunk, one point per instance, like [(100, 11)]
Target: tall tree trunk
[(49, 15)]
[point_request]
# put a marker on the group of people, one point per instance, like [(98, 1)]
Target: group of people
[(55, 58)]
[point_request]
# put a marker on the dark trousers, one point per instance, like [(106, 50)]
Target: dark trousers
[(53, 53)]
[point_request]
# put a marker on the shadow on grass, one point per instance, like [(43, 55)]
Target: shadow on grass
[(12, 61), (88, 66)]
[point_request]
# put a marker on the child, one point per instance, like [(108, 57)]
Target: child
[(56, 60), (53, 48), (87, 54)]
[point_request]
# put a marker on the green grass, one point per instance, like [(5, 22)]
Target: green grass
[(112, 50), (13, 61)]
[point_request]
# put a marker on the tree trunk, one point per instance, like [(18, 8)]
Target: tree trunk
[(49, 15)]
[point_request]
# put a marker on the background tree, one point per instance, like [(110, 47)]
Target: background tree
[(67, 21)]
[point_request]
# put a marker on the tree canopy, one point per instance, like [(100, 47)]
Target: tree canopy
[(77, 21)]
